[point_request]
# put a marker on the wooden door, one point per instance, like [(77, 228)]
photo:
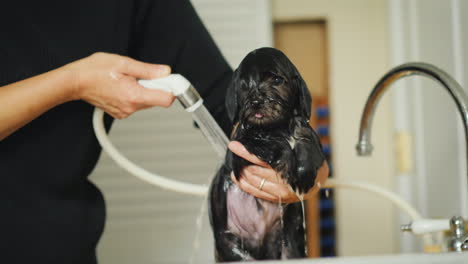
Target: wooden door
[(305, 44)]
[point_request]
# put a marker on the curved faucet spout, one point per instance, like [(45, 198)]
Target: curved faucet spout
[(364, 146)]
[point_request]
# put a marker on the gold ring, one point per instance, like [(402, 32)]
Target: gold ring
[(262, 183)]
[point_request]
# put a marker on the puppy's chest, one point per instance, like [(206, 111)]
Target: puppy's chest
[(251, 218), (269, 146)]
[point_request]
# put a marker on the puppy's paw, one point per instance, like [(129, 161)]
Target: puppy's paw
[(304, 180)]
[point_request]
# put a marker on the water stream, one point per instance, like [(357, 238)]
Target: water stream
[(198, 229), (211, 130), (218, 140), (301, 199)]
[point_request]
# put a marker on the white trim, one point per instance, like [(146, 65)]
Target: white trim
[(396, 28), (420, 152), (400, 105), (458, 72), (402, 120), (264, 24)]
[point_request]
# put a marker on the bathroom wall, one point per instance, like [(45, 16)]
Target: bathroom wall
[(435, 32), (358, 55), (146, 224)]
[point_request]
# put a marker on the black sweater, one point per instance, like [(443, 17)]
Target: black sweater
[(49, 211)]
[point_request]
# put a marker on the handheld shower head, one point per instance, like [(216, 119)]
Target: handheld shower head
[(180, 87)]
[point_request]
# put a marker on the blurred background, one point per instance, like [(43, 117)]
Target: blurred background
[(342, 48)]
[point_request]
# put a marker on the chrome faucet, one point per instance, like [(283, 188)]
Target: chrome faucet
[(364, 146)]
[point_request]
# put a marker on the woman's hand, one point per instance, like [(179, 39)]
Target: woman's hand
[(109, 82), (263, 182)]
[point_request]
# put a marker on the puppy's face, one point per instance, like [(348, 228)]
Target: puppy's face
[(267, 90), (266, 98)]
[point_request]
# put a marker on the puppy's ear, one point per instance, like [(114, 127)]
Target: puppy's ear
[(232, 92), (305, 100)]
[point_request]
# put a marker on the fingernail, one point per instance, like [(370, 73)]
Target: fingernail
[(236, 145), (163, 69), (231, 145)]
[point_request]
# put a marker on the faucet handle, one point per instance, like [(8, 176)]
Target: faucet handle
[(458, 241), (424, 226), (464, 246)]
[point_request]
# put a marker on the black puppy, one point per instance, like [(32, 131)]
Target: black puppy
[(269, 105)]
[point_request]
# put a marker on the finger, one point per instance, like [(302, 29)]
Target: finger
[(142, 70), (322, 176), (237, 148), (155, 97), (247, 187), (263, 172), (142, 97), (274, 189)]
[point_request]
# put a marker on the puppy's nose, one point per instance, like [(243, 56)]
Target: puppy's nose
[(255, 103)]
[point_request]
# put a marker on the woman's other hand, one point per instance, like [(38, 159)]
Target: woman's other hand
[(273, 188)]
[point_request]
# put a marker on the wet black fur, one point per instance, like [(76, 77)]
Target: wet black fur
[(266, 82)]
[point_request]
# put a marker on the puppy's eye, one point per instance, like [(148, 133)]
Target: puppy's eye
[(278, 80)]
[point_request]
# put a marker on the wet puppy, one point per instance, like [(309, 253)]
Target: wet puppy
[(270, 105)]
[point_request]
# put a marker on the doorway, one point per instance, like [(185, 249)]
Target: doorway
[(305, 44)]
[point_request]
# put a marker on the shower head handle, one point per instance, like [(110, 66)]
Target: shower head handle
[(180, 87)]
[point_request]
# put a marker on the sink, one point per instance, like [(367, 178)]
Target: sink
[(433, 258)]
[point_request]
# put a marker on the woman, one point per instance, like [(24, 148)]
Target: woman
[(59, 59)]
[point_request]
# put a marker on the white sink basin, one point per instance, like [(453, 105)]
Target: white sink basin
[(440, 258)]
